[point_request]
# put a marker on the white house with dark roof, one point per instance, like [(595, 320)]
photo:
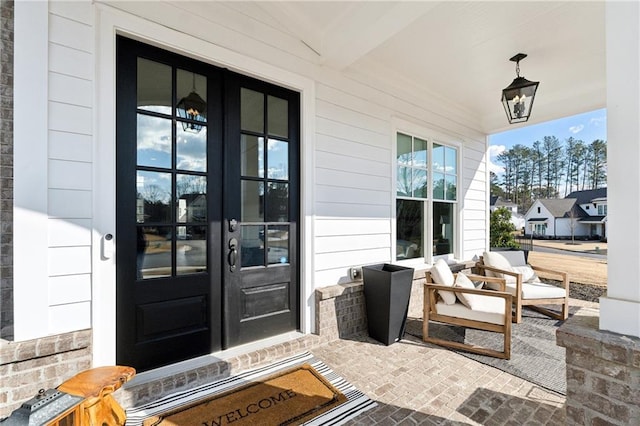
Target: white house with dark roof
[(581, 214)]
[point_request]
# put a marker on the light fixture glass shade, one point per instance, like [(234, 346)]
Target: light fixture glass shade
[(517, 99), (192, 107)]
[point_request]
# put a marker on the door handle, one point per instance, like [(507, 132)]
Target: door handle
[(233, 254)]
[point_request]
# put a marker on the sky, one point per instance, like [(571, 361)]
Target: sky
[(587, 127)]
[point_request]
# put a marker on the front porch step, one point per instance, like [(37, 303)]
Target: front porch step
[(187, 375)]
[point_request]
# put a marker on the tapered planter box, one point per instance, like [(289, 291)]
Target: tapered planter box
[(387, 289)]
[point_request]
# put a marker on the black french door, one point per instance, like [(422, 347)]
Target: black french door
[(207, 196)]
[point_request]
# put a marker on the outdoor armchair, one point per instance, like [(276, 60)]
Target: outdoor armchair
[(525, 285), (454, 300)]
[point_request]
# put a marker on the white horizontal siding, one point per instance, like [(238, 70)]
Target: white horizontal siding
[(76, 10), (337, 129), (69, 317), (356, 118), (69, 261), (69, 61), (70, 146), (353, 180), (69, 232), (72, 204), (337, 161), (364, 197), (352, 210), (68, 289), (70, 33), (69, 175), (337, 243), (348, 258), (70, 90), (70, 118)]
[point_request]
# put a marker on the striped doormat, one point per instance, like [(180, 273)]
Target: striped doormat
[(215, 394)]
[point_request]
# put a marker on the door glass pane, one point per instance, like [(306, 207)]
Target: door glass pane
[(419, 153), (409, 229), (443, 237), (278, 244), (191, 195), (450, 160), (154, 252), (153, 141), (404, 149), (278, 113), (438, 186), (278, 202), (252, 196), (420, 183), (438, 158), (191, 92), (191, 149), (153, 197), (191, 249), (252, 156), (251, 111), (403, 181), (278, 159), (450, 182), (154, 86), (252, 245)]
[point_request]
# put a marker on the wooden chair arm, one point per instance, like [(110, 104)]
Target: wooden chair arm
[(564, 275), (490, 293)]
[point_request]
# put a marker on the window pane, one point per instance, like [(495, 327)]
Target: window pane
[(419, 153), (154, 86), (278, 113), (403, 181), (404, 149), (252, 196), (191, 93), (191, 195), (252, 156), (278, 244), (153, 197), (438, 186), (153, 141), (451, 186), (191, 249), (443, 236), (409, 229), (451, 161), (252, 246), (154, 252), (438, 158), (251, 111), (278, 159), (420, 183), (191, 149), (278, 202)]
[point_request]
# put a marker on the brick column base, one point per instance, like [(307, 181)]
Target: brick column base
[(603, 372)]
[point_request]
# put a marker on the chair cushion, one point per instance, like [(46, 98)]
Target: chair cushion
[(514, 257), (537, 290), (496, 260), (492, 313), (442, 275), (478, 302)]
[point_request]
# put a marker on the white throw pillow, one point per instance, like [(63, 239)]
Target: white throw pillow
[(496, 260), (442, 275), (528, 274), (471, 301)]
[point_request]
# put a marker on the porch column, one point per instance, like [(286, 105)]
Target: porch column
[(620, 310)]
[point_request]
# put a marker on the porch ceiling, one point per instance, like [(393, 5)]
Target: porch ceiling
[(458, 52)]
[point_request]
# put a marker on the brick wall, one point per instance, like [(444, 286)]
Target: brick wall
[(26, 367), (6, 169), (603, 373)]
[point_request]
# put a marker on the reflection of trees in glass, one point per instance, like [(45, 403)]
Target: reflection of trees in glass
[(277, 202), (403, 181), (409, 224)]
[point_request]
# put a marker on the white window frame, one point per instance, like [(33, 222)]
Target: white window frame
[(431, 136)]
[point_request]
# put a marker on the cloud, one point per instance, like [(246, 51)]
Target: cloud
[(494, 151), (598, 121), (576, 129)]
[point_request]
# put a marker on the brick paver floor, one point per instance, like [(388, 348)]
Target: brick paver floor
[(418, 383)]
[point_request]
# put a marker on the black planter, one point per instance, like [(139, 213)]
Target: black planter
[(387, 289)]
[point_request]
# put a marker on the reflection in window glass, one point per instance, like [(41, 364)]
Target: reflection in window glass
[(191, 93), (191, 195), (252, 245), (278, 244), (409, 229), (404, 149), (251, 110), (154, 258), (252, 156), (438, 186), (404, 186), (438, 158), (191, 249), (278, 159), (419, 153), (153, 141), (278, 113), (191, 149), (153, 197), (451, 161), (443, 228), (420, 183), (278, 202), (450, 187), (252, 194), (154, 86)]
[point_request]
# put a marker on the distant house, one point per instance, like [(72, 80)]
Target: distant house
[(517, 219), (581, 214)]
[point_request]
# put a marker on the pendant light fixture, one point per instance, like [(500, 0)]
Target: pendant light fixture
[(518, 97)]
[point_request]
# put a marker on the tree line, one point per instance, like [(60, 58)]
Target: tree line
[(550, 169)]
